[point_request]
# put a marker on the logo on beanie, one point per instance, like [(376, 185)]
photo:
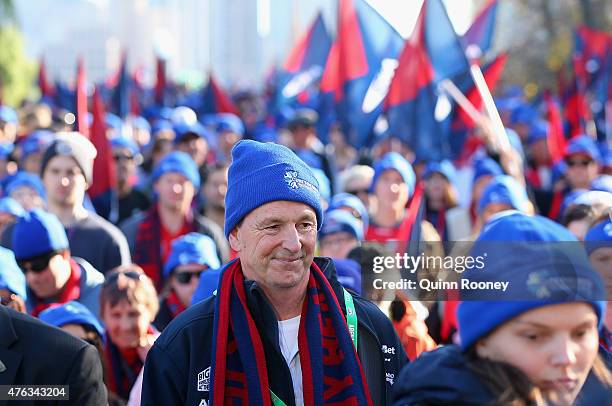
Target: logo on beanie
[(63, 148), (292, 180)]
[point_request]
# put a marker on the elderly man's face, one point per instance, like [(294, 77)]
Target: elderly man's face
[(276, 244)]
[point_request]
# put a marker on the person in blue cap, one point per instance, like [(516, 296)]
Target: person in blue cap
[(352, 204), (598, 244), (213, 191), (191, 255), (12, 282), (176, 181), (339, 234), (277, 318), (141, 131), (53, 276), (485, 170), (27, 189), (76, 319), (537, 344), (193, 139), (503, 193), (392, 185), (229, 130), (583, 159), (32, 149), (442, 202), (130, 199), (9, 120)]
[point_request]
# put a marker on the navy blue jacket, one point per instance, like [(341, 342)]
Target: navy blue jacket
[(177, 369), (442, 377)]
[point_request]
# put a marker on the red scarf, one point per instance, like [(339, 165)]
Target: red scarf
[(174, 304), (70, 291)]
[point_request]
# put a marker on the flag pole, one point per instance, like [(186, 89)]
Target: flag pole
[(498, 127), (448, 87)]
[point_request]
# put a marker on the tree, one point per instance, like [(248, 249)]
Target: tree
[(16, 71)]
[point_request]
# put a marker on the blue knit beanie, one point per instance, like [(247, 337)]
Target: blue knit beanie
[(445, 168), (26, 179), (36, 233), (11, 277), (598, 236), (337, 221), (261, 173), (395, 161), (504, 189), (192, 248), (544, 265), (71, 313), (178, 162), (348, 200)]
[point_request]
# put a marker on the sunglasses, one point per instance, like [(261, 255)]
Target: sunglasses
[(185, 277), (36, 265), (112, 277), (123, 157), (578, 162)]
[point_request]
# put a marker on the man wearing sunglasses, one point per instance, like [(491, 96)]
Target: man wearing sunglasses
[(582, 158), (52, 275), (191, 255)]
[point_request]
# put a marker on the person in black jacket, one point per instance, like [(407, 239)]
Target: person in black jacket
[(280, 328), (34, 353)]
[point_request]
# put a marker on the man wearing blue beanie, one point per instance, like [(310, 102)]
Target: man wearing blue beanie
[(277, 309), (53, 276), (176, 181)]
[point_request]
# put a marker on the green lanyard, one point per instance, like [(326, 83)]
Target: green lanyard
[(351, 320)]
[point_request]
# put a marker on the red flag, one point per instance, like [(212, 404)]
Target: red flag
[(104, 172), (46, 89), (555, 137), (160, 84), (221, 99), (81, 99), (412, 219)]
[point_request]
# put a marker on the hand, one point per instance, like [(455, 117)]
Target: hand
[(145, 345)]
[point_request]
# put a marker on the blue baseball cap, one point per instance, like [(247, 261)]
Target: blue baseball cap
[(444, 168), (538, 131), (583, 144), (484, 167), (337, 221), (37, 141), (23, 178), (229, 122), (177, 162), (348, 200), (504, 189), (394, 161), (192, 248), (523, 114), (71, 313), (182, 130), (11, 277)]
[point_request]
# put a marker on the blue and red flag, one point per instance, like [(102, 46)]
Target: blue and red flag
[(120, 99), (481, 31), (591, 49), (360, 67), (555, 138), (46, 89), (81, 99), (304, 66), (433, 53), (103, 189), (215, 99)]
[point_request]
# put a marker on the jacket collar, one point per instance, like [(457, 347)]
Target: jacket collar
[(11, 360)]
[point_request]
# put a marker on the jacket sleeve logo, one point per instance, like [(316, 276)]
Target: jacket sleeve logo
[(204, 380)]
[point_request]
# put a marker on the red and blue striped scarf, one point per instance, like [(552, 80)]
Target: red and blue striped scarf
[(331, 371)]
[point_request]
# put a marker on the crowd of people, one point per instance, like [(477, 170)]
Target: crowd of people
[(227, 269)]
